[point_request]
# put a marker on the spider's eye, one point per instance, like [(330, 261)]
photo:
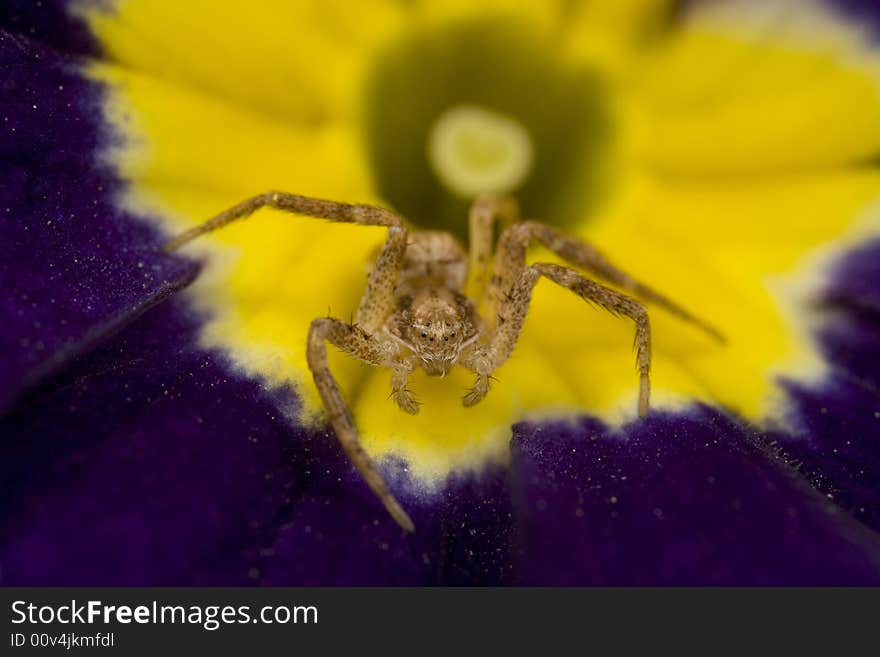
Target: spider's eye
[(424, 335), (452, 334)]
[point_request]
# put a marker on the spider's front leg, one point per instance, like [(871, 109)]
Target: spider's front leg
[(358, 339), (617, 304), (485, 357), (365, 215), (513, 307), (511, 256), (359, 343)]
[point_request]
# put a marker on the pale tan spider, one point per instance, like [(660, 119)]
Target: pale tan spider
[(415, 313)]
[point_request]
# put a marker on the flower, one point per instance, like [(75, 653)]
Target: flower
[(183, 443)]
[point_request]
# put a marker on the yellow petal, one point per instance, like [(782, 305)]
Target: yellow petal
[(746, 257), (190, 156), (177, 136), (613, 35), (751, 88), (541, 15), (296, 59)]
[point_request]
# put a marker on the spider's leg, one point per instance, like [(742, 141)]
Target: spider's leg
[(512, 310), (360, 344), (367, 215), (378, 303), (485, 357), (616, 303), (378, 300), (484, 212), (511, 252), (356, 339)]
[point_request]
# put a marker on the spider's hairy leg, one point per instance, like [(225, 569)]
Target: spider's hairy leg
[(357, 342), (617, 304), (484, 212), (378, 304), (512, 310), (367, 215), (582, 254), (378, 301), (510, 313)]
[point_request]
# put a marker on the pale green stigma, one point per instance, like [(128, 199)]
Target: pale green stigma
[(475, 151)]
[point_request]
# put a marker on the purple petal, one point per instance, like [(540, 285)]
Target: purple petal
[(866, 12), (149, 463), (856, 279), (50, 22), (73, 267), (463, 535), (677, 500), (837, 447), (146, 464), (836, 441)]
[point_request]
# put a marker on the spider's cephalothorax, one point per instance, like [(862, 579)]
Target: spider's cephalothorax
[(420, 305), (435, 324), (433, 318)]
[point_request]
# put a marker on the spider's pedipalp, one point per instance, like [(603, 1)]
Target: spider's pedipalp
[(479, 390), (402, 395)]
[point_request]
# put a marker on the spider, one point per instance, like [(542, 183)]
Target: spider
[(420, 305)]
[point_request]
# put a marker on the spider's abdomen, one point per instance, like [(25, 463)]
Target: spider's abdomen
[(432, 259)]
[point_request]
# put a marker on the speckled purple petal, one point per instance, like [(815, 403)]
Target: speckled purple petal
[(464, 535), (141, 465), (150, 462), (693, 499), (52, 23), (73, 267), (835, 436)]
